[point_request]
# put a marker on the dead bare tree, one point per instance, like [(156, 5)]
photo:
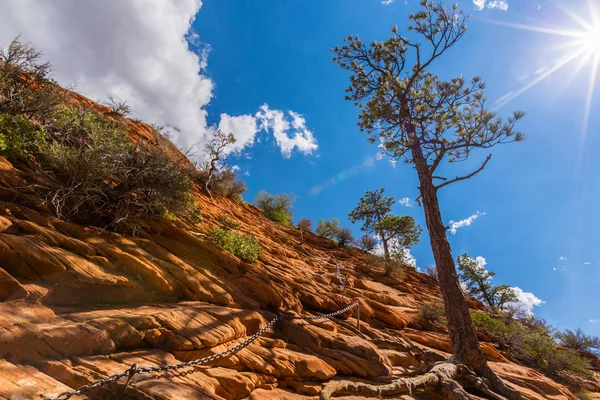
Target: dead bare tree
[(216, 150)]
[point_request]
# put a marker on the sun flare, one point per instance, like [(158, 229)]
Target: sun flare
[(591, 41)]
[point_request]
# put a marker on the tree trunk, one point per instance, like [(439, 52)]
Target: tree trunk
[(386, 251), (465, 346)]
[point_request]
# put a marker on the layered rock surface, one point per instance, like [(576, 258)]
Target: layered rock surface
[(78, 304)]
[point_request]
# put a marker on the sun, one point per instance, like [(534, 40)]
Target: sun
[(591, 41), (580, 48)]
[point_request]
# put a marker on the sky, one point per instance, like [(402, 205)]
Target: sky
[(264, 71)]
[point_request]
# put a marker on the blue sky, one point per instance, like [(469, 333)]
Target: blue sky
[(263, 69), (539, 197)]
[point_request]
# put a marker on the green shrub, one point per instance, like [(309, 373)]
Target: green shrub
[(328, 229), (530, 344), (91, 173), (20, 139), (227, 223), (276, 207), (247, 248), (305, 225), (195, 214), (578, 340)]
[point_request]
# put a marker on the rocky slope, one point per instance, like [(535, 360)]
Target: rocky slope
[(78, 303)]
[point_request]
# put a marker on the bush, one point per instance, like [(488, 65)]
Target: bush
[(366, 243), (578, 340), (531, 345), (430, 313), (227, 223), (328, 229), (390, 266), (91, 173), (195, 214), (20, 139), (224, 183), (344, 237), (24, 85), (305, 225), (247, 248), (276, 207), (118, 107)]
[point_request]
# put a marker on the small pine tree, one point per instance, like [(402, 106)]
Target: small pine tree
[(276, 207), (478, 284)]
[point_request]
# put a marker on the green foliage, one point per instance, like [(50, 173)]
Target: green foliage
[(478, 283), (401, 104), (91, 173), (344, 237), (195, 214), (374, 209), (328, 229), (578, 340), (585, 395), (247, 248), (366, 243), (227, 223), (305, 225), (530, 344), (276, 207), (20, 139), (24, 85)]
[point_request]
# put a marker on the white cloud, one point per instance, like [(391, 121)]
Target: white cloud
[(526, 301), (561, 258), (394, 248), (144, 52), (235, 167), (387, 2), (455, 225), (498, 4), (280, 124), (586, 263), (595, 321), (405, 201), (243, 128)]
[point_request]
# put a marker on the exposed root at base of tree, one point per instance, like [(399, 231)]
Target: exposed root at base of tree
[(445, 378)]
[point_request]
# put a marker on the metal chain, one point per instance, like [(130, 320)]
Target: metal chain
[(313, 317), (231, 351)]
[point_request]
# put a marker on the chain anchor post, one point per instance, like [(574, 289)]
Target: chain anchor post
[(357, 315), (132, 371)]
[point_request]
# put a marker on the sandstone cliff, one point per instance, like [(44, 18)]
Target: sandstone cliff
[(78, 304)]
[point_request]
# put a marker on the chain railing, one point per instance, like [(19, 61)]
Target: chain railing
[(135, 369)]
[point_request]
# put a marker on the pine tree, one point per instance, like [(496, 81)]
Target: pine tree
[(478, 283), (375, 210), (424, 120)]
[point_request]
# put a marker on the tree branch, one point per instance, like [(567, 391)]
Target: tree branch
[(462, 178)]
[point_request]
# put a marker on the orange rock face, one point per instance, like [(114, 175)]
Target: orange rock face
[(78, 304)]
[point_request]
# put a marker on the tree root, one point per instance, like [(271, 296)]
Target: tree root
[(446, 378)]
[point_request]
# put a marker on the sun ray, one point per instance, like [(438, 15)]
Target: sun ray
[(540, 78), (569, 13), (589, 98), (540, 29)]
